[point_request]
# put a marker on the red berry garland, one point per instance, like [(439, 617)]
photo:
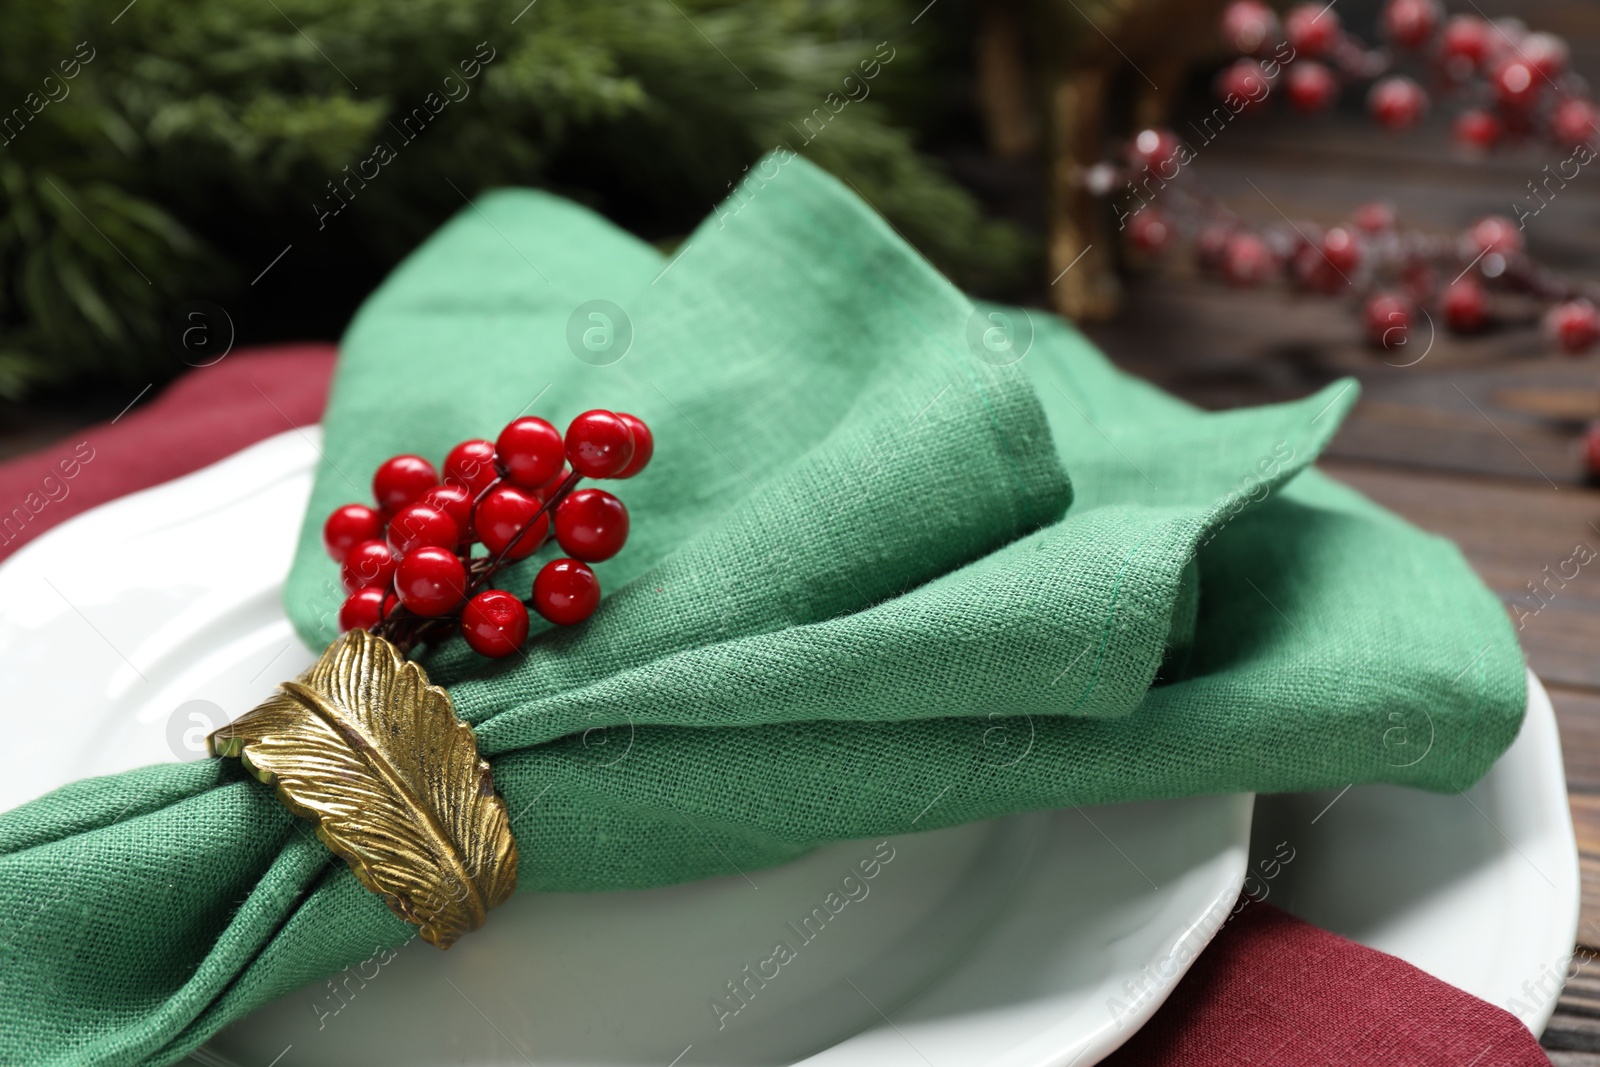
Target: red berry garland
[(409, 564), (1505, 84), (1527, 75)]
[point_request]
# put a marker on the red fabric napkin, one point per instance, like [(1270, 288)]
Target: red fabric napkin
[(1269, 990), (204, 416)]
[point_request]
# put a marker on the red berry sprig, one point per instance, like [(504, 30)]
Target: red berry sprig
[(1513, 83), (1394, 274), (410, 565), (1510, 82)]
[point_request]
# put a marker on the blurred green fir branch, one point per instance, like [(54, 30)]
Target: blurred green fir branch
[(151, 160)]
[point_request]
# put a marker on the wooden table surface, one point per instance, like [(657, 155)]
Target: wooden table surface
[(1478, 441)]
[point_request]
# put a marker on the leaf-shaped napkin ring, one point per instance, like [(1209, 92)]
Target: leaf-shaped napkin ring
[(362, 744)]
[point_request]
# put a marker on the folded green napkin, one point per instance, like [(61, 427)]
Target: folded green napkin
[(861, 597)]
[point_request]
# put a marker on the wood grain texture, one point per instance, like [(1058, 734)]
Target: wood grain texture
[(1575, 1028)]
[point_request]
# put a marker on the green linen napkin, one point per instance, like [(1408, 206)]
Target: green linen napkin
[(861, 597)]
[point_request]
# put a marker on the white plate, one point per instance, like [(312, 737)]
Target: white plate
[(1028, 941), (1480, 889)]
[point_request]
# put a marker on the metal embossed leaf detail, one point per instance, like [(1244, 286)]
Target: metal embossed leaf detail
[(362, 744)]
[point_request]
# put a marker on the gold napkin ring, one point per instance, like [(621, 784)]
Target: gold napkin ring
[(363, 745)]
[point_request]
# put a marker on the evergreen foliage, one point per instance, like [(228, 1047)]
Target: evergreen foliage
[(196, 138)]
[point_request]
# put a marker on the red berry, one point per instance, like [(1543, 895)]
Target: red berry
[(599, 444), (1574, 325), (494, 623), (1466, 305), (1591, 447), (456, 502), (566, 592), (1494, 233), (1246, 81), (1418, 279), (591, 525), (362, 610), (1312, 271), (402, 480), (1465, 45), (530, 450), (1248, 26), (1516, 83), (502, 513), (1374, 218), (1313, 29), (1477, 130), (1573, 122), (644, 445), (371, 563), (471, 466), (431, 581), (1157, 150), (1211, 246), (1248, 261), (1312, 86), (1342, 249), (1409, 23), (1387, 318), (1327, 265), (1546, 53), (348, 526), (1397, 102), (416, 525), (1149, 230)]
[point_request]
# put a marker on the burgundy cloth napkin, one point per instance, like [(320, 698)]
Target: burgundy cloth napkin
[(1273, 991), (1269, 990), (206, 415)]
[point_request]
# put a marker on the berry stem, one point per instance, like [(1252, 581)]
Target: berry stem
[(548, 506), (406, 629)]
